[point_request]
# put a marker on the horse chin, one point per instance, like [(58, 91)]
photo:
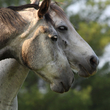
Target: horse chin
[(59, 88), (83, 72)]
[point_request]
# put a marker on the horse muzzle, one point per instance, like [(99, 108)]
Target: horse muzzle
[(61, 86), (90, 68)]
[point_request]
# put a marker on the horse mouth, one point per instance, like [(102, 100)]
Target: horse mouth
[(61, 88), (65, 89), (84, 72), (81, 70)]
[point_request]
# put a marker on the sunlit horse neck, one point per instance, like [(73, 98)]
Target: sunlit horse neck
[(12, 76)]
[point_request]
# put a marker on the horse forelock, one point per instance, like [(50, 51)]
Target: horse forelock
[(58, 11), (49, 19), (55, 8)]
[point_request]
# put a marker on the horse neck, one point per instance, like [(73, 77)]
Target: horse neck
[(30, 15), (14, 40), (12, 76)]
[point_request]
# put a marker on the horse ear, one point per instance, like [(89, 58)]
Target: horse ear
[(44, 8)]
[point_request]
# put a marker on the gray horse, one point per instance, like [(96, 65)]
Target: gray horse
[(33, 43), (79, 54)]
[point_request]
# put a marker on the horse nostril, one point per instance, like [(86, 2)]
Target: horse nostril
[(94, 61)]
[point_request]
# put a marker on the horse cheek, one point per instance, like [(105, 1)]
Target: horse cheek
[(26, 53)]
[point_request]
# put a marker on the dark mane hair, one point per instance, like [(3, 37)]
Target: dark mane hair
[(54, 7), (11, 18), (36, 6), (10, 23), (21, 7)]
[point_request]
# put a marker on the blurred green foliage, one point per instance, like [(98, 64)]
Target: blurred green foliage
[(86, 94), (53, 101), (94, 32)]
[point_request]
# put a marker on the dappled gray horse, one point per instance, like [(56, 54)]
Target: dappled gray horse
[(85, 64), (33, 44)]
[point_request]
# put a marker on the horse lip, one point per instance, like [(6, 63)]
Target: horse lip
[(64, 87), (82, 68), (60, 87)]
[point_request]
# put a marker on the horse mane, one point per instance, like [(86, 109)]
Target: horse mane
[(21, 7), (36, 6), (53, 6), (10, 23)]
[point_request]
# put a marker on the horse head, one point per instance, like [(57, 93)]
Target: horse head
[(79, 54)]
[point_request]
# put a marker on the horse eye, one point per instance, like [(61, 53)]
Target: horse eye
[(54, 38), (62, 28)]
